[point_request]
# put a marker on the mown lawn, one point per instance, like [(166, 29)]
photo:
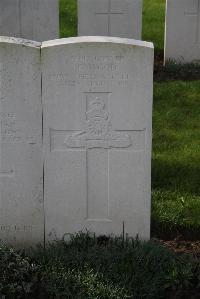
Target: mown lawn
[(68, 18), (154, 22), (176, 135), (176, 158)]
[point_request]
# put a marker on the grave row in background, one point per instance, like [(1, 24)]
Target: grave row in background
[(39, 20)]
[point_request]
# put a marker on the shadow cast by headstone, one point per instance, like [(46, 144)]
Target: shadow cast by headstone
[(171, 175)]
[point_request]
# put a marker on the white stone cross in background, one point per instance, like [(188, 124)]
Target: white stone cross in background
[(108, 14), (120, 18)]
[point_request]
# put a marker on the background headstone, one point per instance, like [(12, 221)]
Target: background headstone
[(120, 18), (97, 99), (9, 17), (182, 36), (21, 169), (30, 19)]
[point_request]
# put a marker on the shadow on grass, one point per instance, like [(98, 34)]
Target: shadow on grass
[(175, 70), (175, 200), (162, 231), (175, 176)]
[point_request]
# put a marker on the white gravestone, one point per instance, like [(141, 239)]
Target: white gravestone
[(182, 36), (97, 99), (21, 170), (9, 17), (31, 19), (120, 18)]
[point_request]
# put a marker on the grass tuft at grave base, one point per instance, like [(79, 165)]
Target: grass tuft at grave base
[(87, 267), (174, 70)]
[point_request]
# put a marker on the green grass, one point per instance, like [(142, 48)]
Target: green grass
[(154, 22), (176, 145), (68, 18), (176, 156), (86, 267)]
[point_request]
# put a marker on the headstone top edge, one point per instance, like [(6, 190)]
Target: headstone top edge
[(96, 39), (20, 41)]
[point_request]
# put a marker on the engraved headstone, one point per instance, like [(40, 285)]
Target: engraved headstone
[(97, 99), (21, 171), (120, 18), (182, 36), (31, 19)]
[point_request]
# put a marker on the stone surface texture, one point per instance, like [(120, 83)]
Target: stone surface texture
[(97, 99), (182, 34), (31, 19), (119, 18), (21, 168)]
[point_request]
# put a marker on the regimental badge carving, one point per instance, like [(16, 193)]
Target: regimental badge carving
[(98, 131)]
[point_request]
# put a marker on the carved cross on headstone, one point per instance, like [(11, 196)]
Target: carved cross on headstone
[(196, 14), (109, 13), (98, 138)]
